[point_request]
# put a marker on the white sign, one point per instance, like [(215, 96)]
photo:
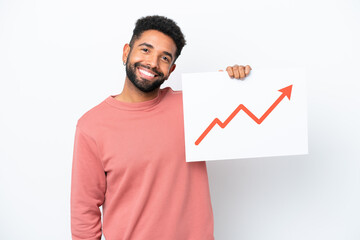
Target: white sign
[(263, 115)]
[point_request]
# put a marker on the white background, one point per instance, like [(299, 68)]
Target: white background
[(60, 58)]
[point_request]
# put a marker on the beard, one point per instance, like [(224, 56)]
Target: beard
[(142, 84)]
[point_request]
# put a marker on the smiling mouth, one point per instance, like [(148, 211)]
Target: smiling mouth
[(146, 73)]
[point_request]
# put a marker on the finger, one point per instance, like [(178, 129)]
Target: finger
[(236, 71), (230, 71), (247, 70), (242, 71), (221, 70)]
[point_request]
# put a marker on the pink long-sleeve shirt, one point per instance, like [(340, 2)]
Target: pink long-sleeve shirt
[(130, 158)]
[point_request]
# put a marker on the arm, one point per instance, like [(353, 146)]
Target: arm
[(88, 185)]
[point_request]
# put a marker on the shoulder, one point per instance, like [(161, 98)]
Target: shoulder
[(169, 93), (90, 119)]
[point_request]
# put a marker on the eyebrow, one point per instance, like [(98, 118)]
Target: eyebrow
[(152, 47)]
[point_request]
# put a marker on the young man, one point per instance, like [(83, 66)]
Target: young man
[(129, 153)]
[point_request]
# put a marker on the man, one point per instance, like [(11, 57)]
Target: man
[(129, 153)]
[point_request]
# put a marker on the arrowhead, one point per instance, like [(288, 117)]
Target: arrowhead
[(286, 91)]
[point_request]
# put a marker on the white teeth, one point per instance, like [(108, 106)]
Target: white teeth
[(146, 73)]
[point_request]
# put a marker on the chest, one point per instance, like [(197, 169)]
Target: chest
[(136, 140)]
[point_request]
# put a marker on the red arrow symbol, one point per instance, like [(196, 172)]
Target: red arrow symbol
[(285, 92)]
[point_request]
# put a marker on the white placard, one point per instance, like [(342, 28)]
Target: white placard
[(261, 116)]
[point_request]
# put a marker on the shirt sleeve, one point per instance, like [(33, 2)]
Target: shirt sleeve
[(88, 186)]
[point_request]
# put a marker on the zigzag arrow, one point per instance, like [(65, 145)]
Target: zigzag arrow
[(285, 92)]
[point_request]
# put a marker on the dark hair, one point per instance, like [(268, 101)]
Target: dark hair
[(161, 24)]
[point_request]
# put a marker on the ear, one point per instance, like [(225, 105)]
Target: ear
[(126, 51), (172, 68)]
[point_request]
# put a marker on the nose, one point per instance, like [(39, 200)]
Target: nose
[(152, 61)]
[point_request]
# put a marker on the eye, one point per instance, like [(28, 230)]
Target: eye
[(166, 59), (145, 50)]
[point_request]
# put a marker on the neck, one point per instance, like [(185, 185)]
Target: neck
[(132, 94)]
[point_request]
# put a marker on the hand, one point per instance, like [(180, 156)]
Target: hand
[(238, 71)]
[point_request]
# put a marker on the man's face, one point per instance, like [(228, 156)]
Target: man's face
[(149, 62)]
